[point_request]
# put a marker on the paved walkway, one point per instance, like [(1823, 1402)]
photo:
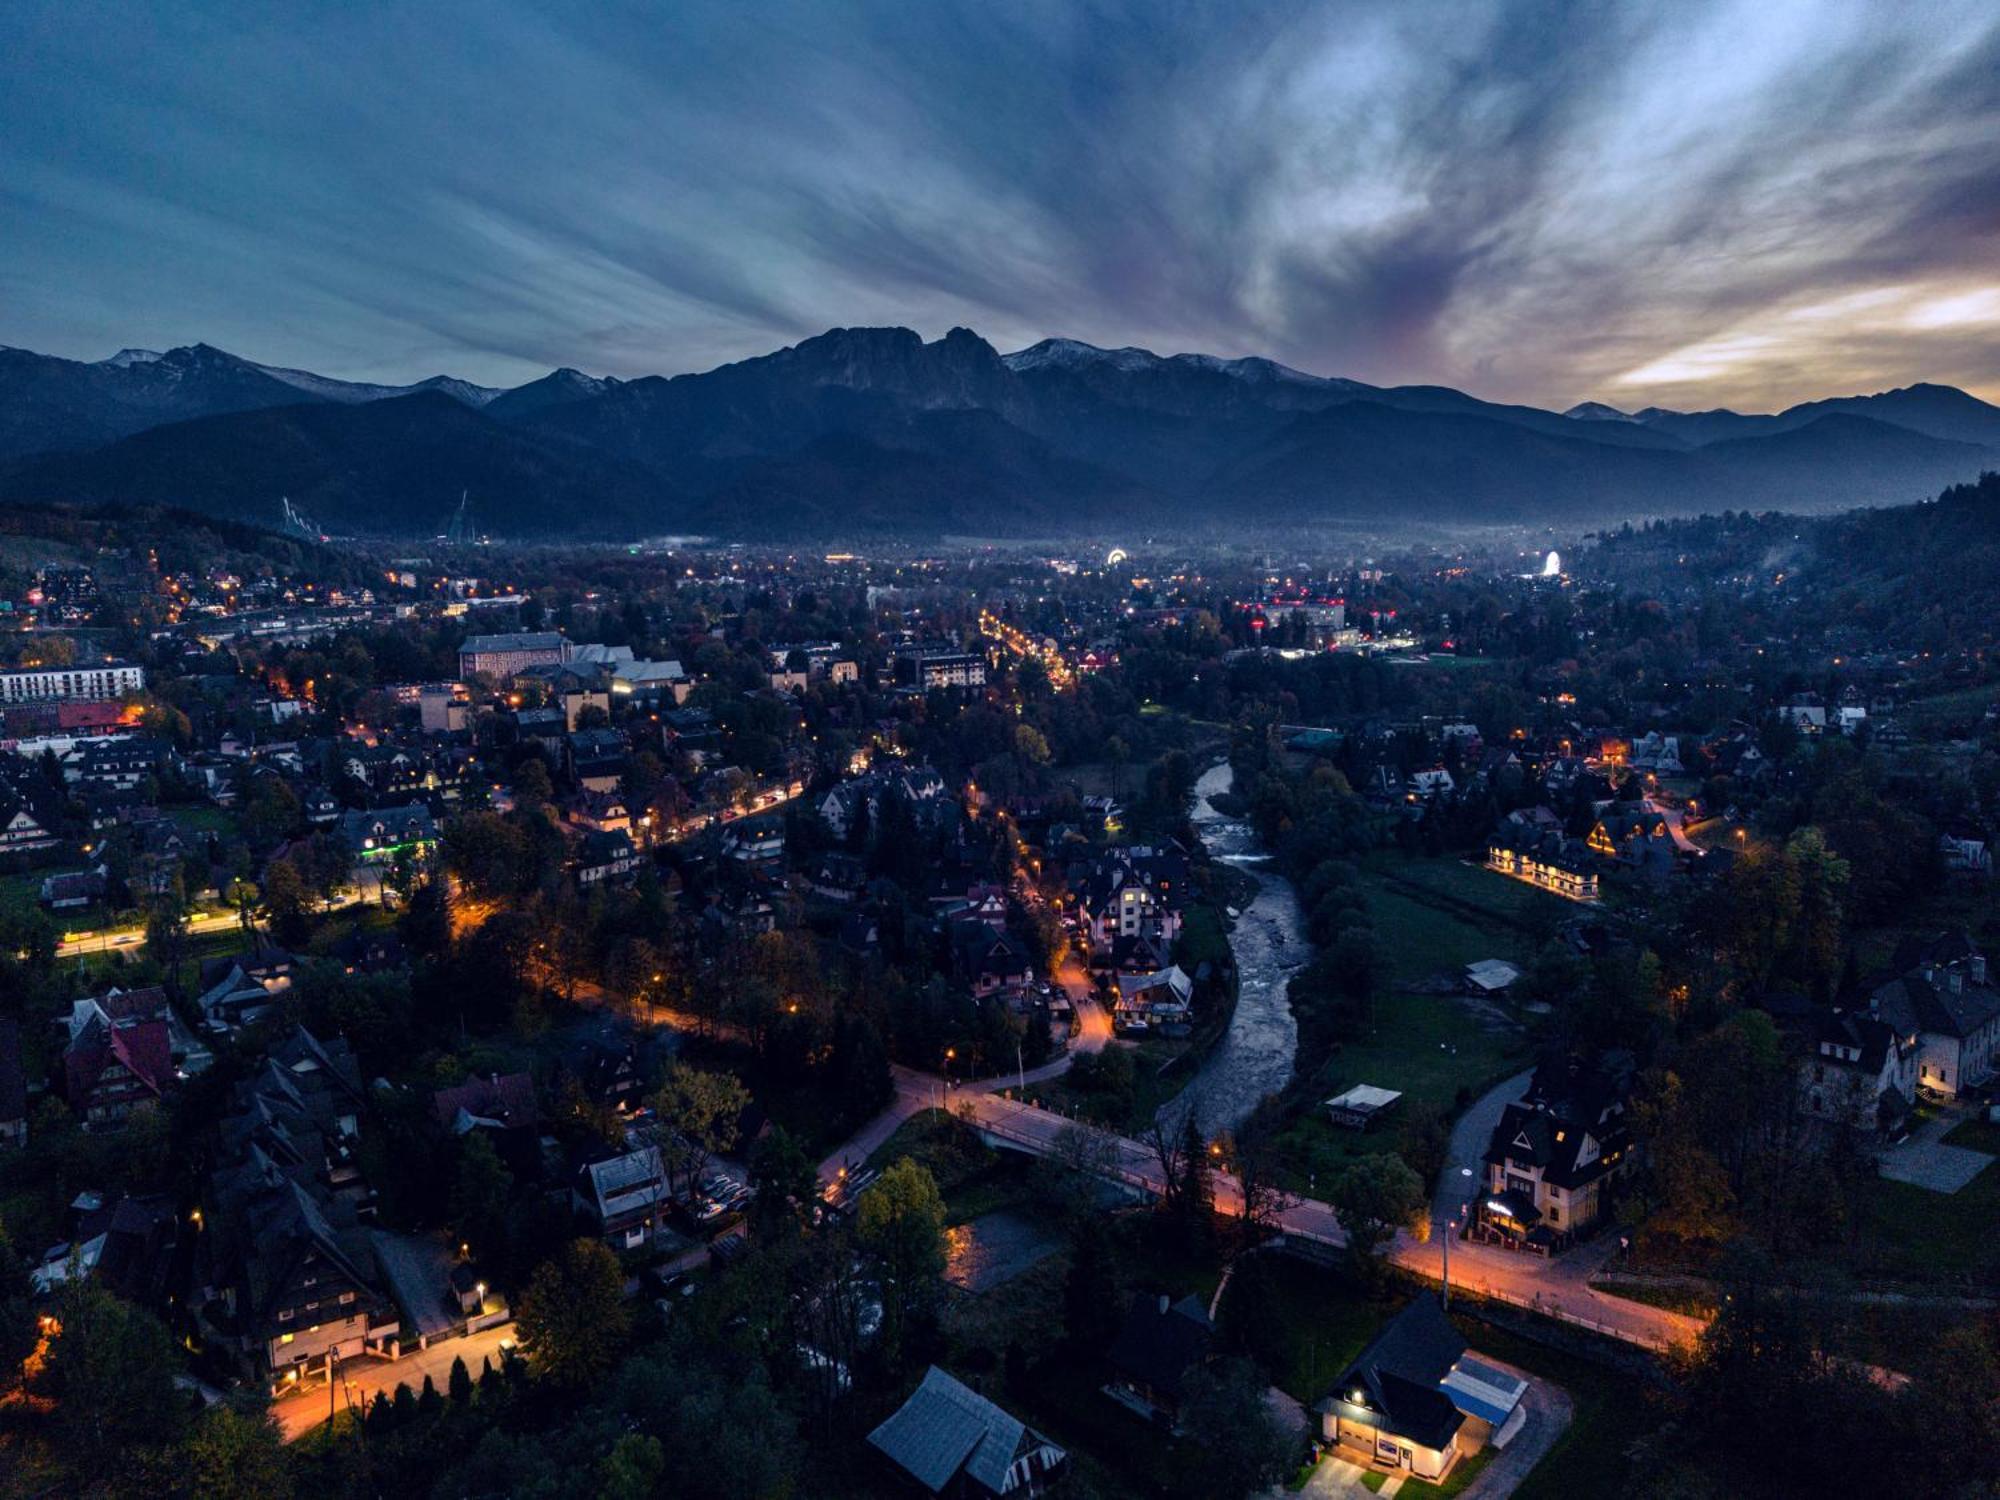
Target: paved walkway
[(1925, 1161), (1549, 1410)]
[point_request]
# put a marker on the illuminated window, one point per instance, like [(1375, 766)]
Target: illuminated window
[(284, 1338)]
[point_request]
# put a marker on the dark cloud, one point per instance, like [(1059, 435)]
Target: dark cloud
[(1717, 200)]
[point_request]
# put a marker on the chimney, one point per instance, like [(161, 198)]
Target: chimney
[(1978, 963)]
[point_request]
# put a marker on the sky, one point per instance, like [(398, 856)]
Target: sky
[(1701, 203)]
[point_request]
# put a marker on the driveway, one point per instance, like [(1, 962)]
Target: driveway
[(1548, 1410), (1925, 1161), (360, 1379)]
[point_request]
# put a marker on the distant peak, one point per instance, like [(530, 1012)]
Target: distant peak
[(1597, 411), (1072, 353), (125, 358)]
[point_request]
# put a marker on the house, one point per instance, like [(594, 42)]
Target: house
[(502, 1107), (126, 1245), (1159, 1345), (625, 1197), (838, 876), (1159, 1000), (1944, 996), (113, 1069), (1490, 977), (21, 826), (1131, 892), (1965, 855), (1557, 1156), (989, 962), (118, 1007), (380, 835), (74, 889), (607, 1069), (287, 1273), (1415, 1401), (596, 759), (606, 859), (236, 991), (13, 1088), (1859, 1068), (758, 845), (928, 671), (1361, 1106), (1544, 858), (601, 812), (949, 1440)]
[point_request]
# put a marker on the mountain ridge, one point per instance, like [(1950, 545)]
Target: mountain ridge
[(879, 431)]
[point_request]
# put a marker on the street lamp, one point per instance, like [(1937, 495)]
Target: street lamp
[(1450, 1232)]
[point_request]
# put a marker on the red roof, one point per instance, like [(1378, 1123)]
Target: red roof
[(141, 1046)]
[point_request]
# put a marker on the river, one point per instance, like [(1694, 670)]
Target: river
[(1254, 1058)]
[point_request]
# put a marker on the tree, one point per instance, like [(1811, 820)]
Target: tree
[(460, 1383), (695, 1113), (786, 1186), (632, 1470), (233, 1455), (244, 897), (287, 900), (167, 932), (481, 1186), (18, 1330), (1374, 1196), (1233, 1444), (112, 1369), (572, 1316), (902, 1226), (1093, 1300), (1254, 1322)]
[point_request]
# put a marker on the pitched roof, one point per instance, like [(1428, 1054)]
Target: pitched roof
[(1401, 1372), (506, 1100), (1159, 1345), (946, 1428)]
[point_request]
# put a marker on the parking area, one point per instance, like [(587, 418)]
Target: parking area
[(1925, 1161)]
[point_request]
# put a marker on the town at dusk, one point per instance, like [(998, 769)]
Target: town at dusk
[(1086, 751)]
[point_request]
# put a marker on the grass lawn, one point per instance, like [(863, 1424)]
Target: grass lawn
[(1455, 1483), (1328, 1321), (1612, 1411), (216, 820), (1428, 1047), (1372, 1480), (972, 1178), (1408, 1049), (1158, 1074), (1695, 1301), (1507, 901), (1910, 1232), (1976, 1135)]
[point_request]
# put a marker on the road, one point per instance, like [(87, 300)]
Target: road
[(1557, 1288), (200, 924), (361, 1379)]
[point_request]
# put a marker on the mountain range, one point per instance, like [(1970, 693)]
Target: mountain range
[(873, 432)]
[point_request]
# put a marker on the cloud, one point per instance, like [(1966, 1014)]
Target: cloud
[(1692, 204)]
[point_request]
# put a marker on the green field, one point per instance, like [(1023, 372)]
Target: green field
[(1906, 1231), (1428, 1047)]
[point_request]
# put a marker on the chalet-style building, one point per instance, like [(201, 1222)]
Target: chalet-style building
[(238, 990), (286, 1272), (625, 1197), (1161, 1344), (1556, 1157), (989, 962), (606, 859), (1129, 893), (949, 1440), (1544, 858), (1415, 1401), (378, 836)]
